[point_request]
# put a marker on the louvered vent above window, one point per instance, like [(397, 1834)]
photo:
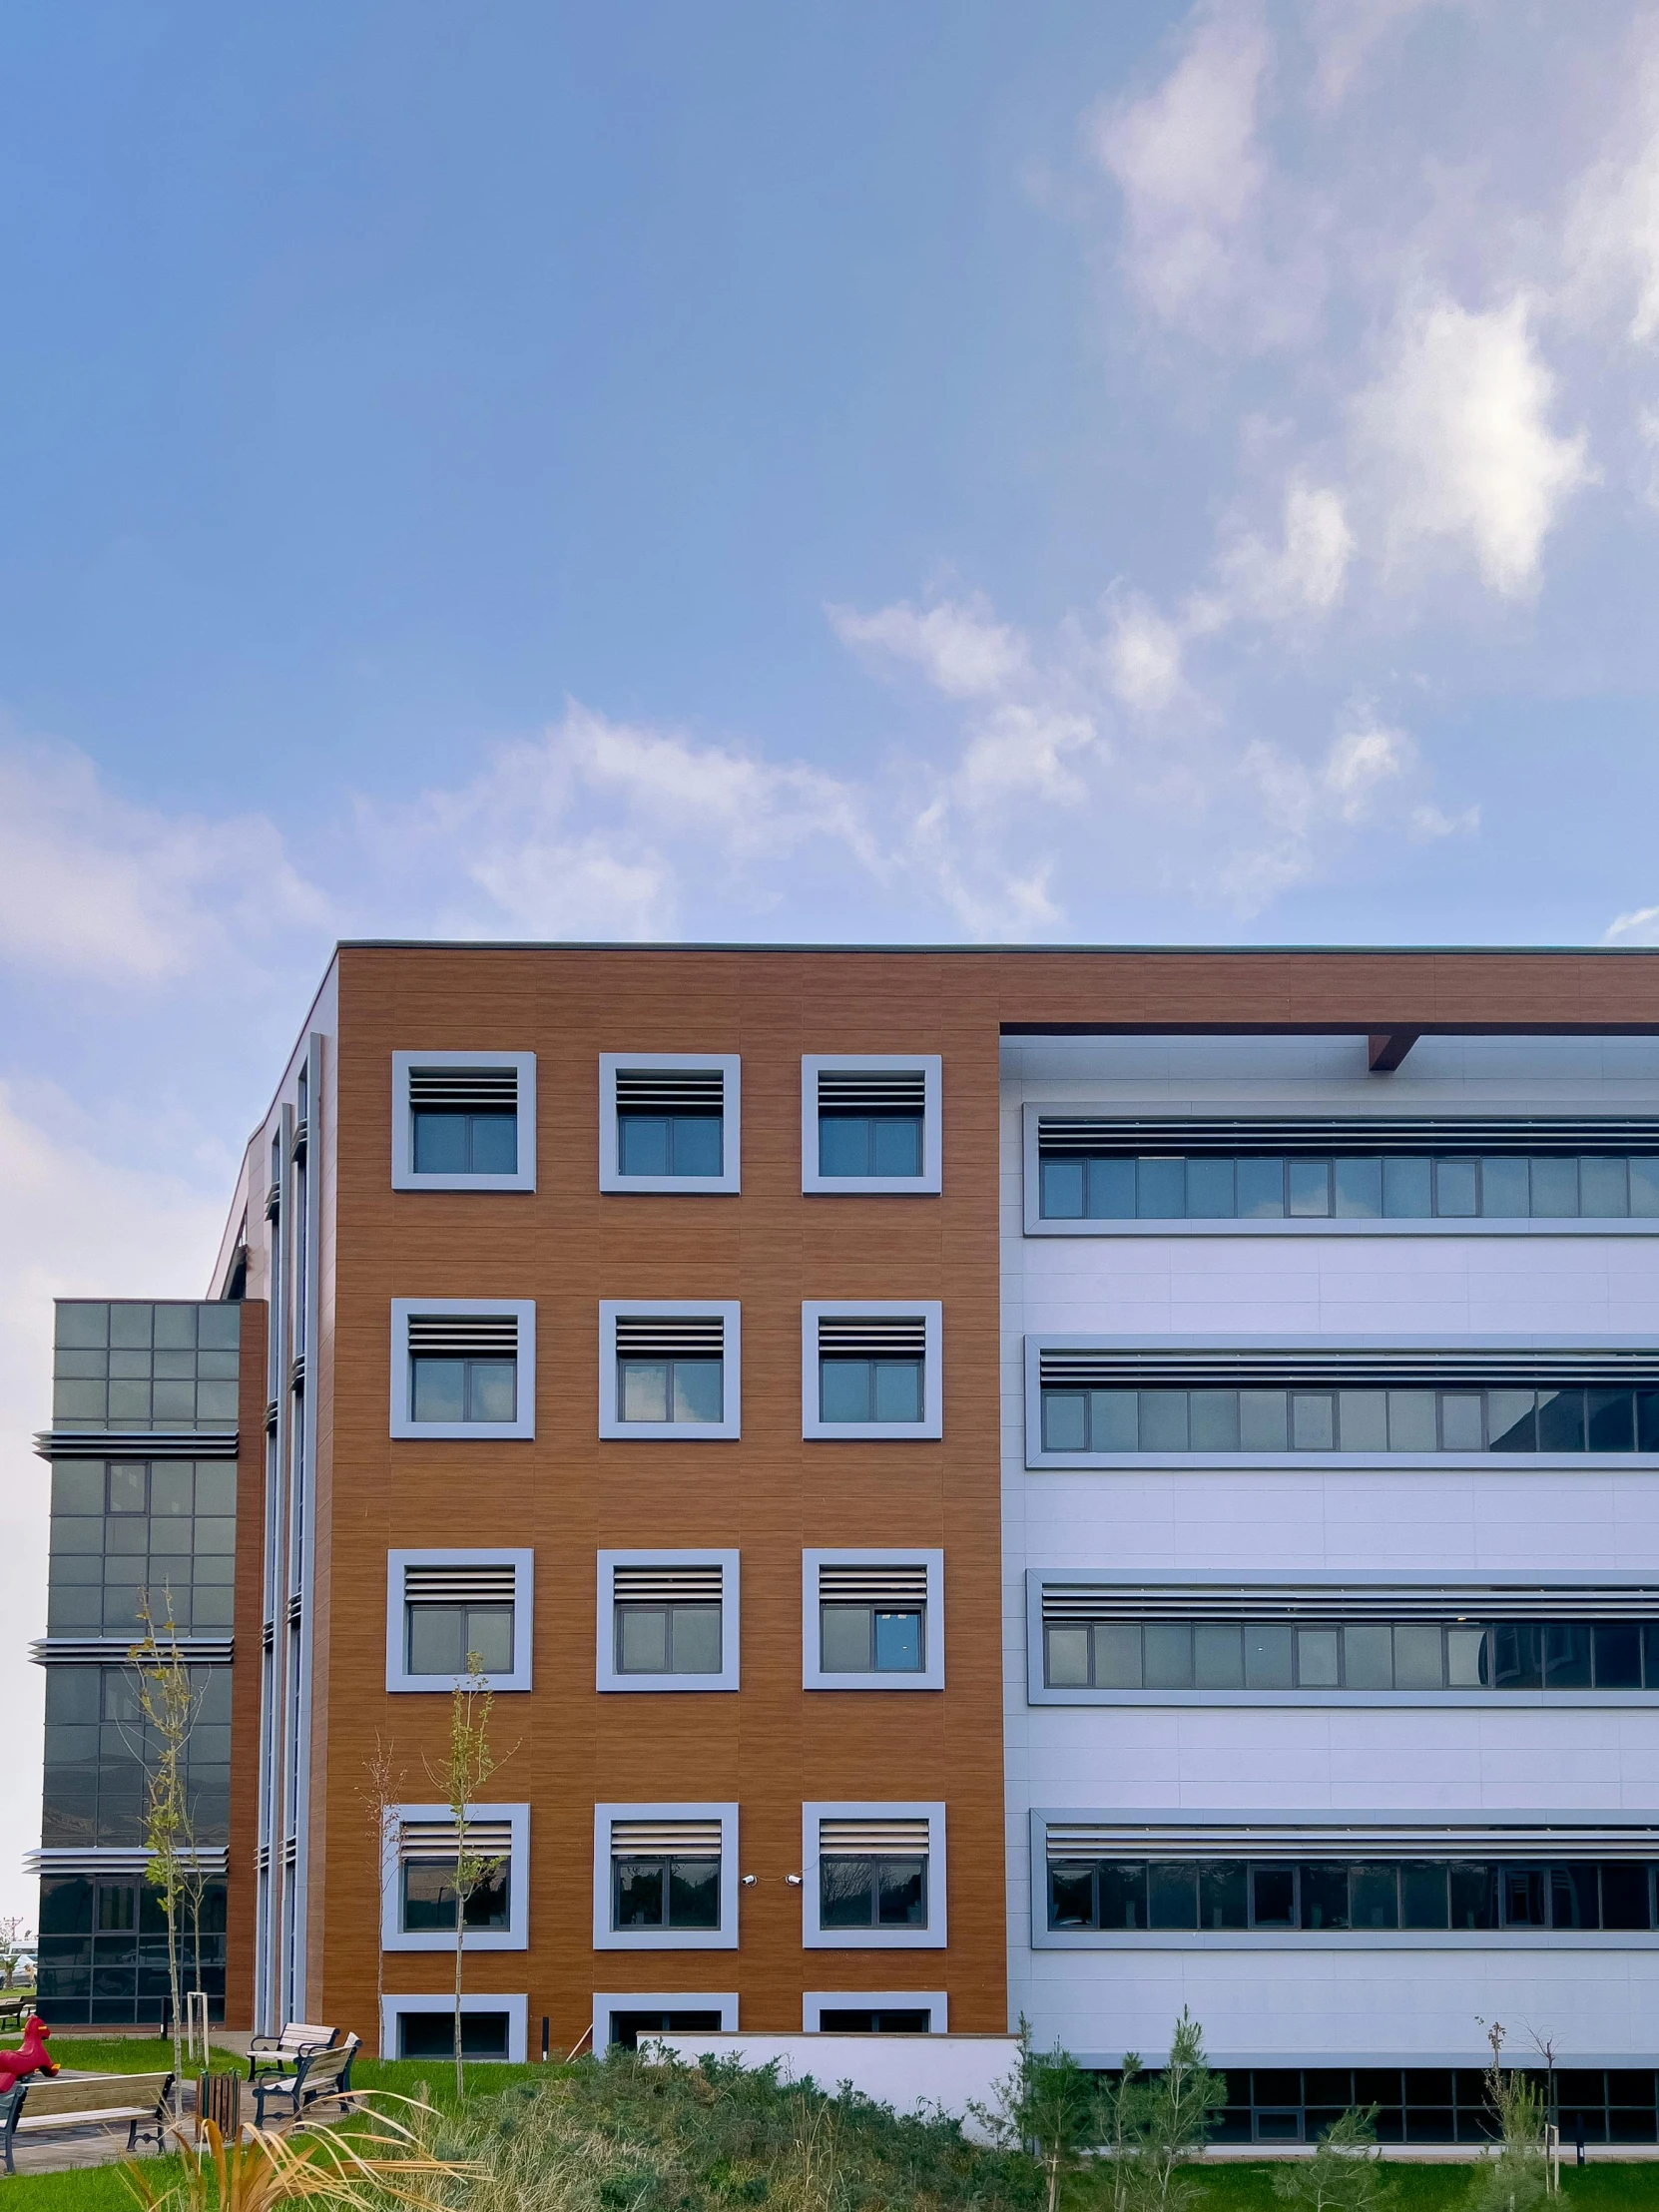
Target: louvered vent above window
[(1068, 1602), (905, 1837), (1112, 1367), (463, 1336), (460, 1585), (1063, 1136), (670, 1335), (492, 1090), (649, 1839), (872, 1090), (879, 1336), (646, 1090), (668, 1585), (1166, 1837), (874, 1585), (439, 1840)]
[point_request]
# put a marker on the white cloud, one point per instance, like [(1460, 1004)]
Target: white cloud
[(1187, 164), (1611, 246), (603, 828), (1142, 654), (1459, 445), (1303, 575), (1346, 36), (1640, 927), (97, 888), (959, 646)]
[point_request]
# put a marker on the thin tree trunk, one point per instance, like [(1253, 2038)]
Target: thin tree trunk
[(460, 1950)]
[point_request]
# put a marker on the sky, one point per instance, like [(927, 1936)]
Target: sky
[(933, 472)]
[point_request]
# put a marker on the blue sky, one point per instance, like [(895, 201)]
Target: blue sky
[(919, 471)]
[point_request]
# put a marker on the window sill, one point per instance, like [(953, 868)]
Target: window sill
[(1323, 1224)]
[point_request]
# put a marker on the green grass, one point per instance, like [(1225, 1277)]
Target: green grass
[(1599, 2187)]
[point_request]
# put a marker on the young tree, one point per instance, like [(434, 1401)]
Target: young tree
[(1515, 2177), (464, 1778), (1176, 2122), (1048, 2107), (381, 1796), (167, 1703), (1344, 2173), (1122, 2110)]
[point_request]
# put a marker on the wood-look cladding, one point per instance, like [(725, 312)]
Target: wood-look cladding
[(245, 1673), (567, 1246)]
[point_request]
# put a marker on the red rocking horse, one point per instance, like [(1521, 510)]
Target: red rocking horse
[(30, 2056)]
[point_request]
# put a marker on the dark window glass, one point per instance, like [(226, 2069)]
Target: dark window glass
[(1163, 1420), (901, 1893), (1210, 1190), (1574, 1897), (870, 1390), (628, 2027), (1373, 1896), (458, 1143), (1223, 1895), (693, 1892), (1172, 1896), (1618, 1655), (1261, 1190), (669, 1144), (1518, 1656), (1560, 1420), (1324, 1896), (1522, 1897), (1273, 1896), (1626, 1900), (444, 1390), (1122, 1896), (1512, 1419), (1554, 1188), (1473, 1896), (1071, 1896), (1647, 1421), (432, 2034), (1610, 1420), (428, 1894), (871, 1145), (1566, 1657), (1422, 1897)]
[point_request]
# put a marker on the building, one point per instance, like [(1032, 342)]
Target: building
[(1063, 1483)]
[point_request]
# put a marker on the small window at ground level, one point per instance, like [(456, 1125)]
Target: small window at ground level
[(628, 2027), (849, 2020), (432, 2034)]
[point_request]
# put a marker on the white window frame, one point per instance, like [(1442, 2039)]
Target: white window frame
[(399, 1677), (816, 2002), (607, 2002), (522, 1429), (607, 1937), (514, 1936), (930, 1182), (814, 1937), (613, 1429), (929, 1677), (931, 1426), (516, 2008), (403, 1176), (728, 1182), (606, 1676)]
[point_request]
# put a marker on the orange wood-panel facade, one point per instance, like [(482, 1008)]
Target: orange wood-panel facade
[(567, 1246)]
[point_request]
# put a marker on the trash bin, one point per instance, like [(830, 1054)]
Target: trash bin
[(218, 2098)]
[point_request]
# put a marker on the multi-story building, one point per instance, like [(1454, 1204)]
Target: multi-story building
[(983, 1483)]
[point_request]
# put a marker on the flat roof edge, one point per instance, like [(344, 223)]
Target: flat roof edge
[(1005, 951)]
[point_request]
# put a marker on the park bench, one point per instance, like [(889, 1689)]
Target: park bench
[(41, 2105), (316, 2076), (280, 2054), (14, 2009)]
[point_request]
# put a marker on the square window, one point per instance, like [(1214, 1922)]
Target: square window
[(871, 1371), (442, 1606), (669, 1123), (669, 1372), (668, 1620), (872, 1620), (872, 1127), (418, 1886), (463, 1368), (665, 1877), (463, 1121), (874, 1875)]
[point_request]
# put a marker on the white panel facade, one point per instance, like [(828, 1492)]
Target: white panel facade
[(1266, 1999)]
